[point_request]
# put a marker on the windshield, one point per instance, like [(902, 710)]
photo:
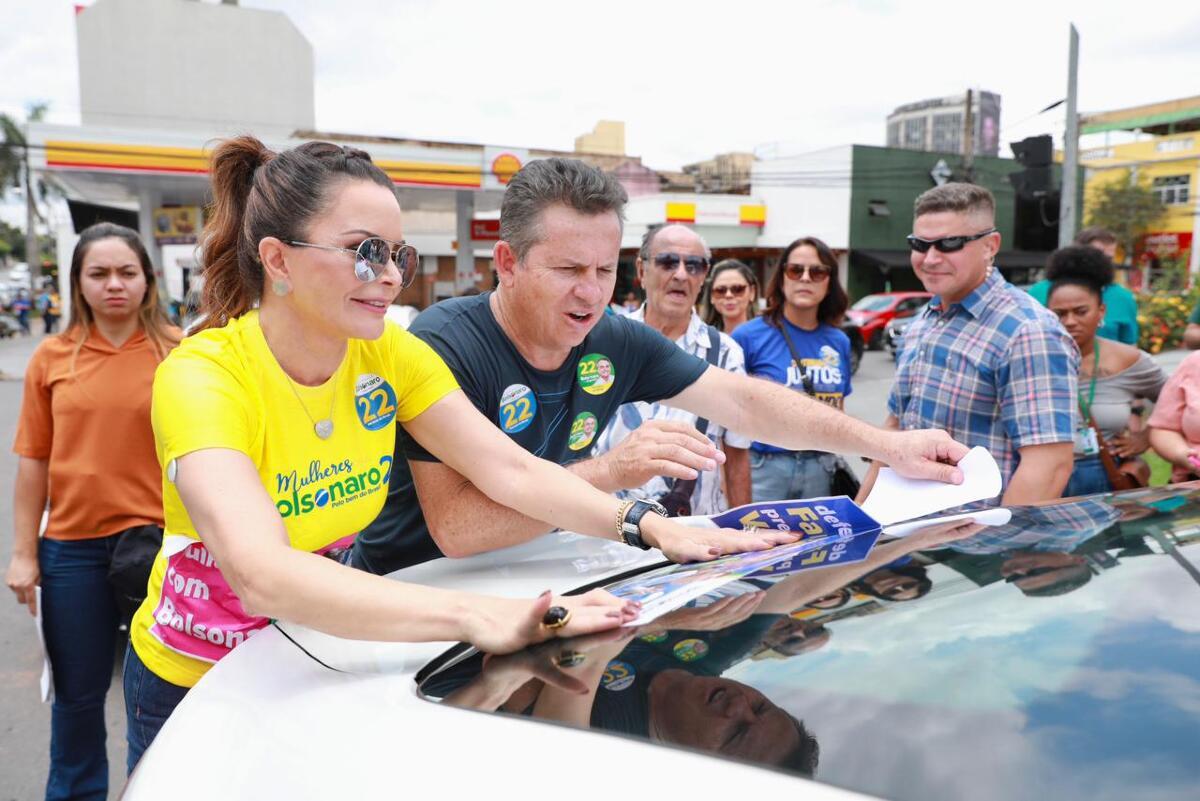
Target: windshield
[(1057, 656), (874, 303)]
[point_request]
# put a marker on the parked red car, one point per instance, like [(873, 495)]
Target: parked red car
[(873, 312)]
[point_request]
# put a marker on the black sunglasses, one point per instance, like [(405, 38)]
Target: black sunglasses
[(695, 265), (947, 244), (372, 255)]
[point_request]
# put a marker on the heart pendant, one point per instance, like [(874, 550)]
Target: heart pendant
[(324, 428)]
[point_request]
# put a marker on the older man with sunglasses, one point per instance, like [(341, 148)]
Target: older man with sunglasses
[(986, 362), (672, 265), (529, 356)]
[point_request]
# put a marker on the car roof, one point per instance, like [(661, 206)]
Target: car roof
[(1057, 656)]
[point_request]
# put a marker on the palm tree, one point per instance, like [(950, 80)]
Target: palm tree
[(14, 172), (12, 153)]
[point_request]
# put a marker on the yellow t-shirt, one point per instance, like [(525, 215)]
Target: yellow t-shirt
[(223, 388)]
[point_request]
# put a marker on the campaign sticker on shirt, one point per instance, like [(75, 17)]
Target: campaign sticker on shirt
[(596, 373), (618, 676), (518, 405), (375, 401), (690, 650), (583, 431)]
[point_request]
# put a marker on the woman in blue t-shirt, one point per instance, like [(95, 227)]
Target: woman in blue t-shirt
[(797, 343)]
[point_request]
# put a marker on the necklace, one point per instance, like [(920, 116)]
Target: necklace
[(322, 428)]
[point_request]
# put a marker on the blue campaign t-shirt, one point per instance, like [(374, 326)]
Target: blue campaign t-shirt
[(553, 414), (824, 361)]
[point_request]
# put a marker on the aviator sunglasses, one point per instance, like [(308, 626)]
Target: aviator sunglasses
[(695, 265), (372, 255), (947, 244), (730, 290), (816, 272)]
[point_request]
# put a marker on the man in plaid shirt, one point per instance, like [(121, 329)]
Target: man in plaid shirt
[(985, 361)]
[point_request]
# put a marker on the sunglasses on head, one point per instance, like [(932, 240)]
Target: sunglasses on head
[(372, 255), (815, 272), (695, 265), (947, 244), (730, 290)]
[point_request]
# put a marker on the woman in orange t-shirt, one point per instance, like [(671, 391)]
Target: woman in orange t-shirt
[(85, 444)]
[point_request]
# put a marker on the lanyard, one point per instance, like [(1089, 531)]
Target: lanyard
[(805, 380), (1087, 408)]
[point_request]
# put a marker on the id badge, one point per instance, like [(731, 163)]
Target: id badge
[(1086, 442)]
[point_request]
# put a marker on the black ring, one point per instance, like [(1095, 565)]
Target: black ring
[(556, 617)]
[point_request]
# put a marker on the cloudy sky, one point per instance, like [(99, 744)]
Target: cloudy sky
[(689, 79)]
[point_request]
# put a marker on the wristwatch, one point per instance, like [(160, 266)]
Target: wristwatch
[(631, 521)]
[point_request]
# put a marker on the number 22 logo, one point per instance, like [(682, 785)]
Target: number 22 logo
[(518, 405), (375, 402)]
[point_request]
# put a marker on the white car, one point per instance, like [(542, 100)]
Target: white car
[(296, 714), (1056, 656)]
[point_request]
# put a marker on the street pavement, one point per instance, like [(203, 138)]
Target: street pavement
[(25, 722)]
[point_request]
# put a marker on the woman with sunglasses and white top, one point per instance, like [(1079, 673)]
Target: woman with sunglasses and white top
[(275, 427), (797, 343), (731, 297)]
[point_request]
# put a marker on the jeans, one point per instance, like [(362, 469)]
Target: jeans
[(79, 615), (149, 701), (791, 474), (1088, 478)]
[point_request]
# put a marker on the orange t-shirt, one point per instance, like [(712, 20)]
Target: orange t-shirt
[(94, 428)]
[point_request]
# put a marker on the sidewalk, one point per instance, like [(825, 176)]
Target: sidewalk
[(15, 353), (1169, 360)]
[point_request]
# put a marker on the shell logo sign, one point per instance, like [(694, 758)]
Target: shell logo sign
[(500, 164), (505, 166)]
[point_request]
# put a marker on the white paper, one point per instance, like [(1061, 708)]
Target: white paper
[(895, 498), (47, 681), (984, 517)]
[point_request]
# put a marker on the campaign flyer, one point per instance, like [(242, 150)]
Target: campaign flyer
[(833, 531)]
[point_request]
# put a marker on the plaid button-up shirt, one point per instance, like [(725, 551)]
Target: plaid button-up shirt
[(996, 370), (1061, 528)]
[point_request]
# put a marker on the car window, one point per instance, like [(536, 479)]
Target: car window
[(1057, 656), (873, 303)]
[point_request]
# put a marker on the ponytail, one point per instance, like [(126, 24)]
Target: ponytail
[(258, 193), (233, 276)]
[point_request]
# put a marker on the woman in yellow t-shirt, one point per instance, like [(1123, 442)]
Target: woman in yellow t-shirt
[(275, 427)]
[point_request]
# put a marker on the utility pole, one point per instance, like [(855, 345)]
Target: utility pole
[(1066, 206), (968, 143)]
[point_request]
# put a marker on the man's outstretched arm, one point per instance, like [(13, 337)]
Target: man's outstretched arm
[(772, 413)]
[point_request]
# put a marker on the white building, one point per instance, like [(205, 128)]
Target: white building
[(937, 124)]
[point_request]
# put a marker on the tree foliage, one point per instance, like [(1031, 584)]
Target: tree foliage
[(1127, 208), (12, 153)]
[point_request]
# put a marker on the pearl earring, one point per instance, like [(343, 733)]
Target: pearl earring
[(280, 287)]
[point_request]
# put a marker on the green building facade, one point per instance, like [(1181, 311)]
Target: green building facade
[(885, 182)]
